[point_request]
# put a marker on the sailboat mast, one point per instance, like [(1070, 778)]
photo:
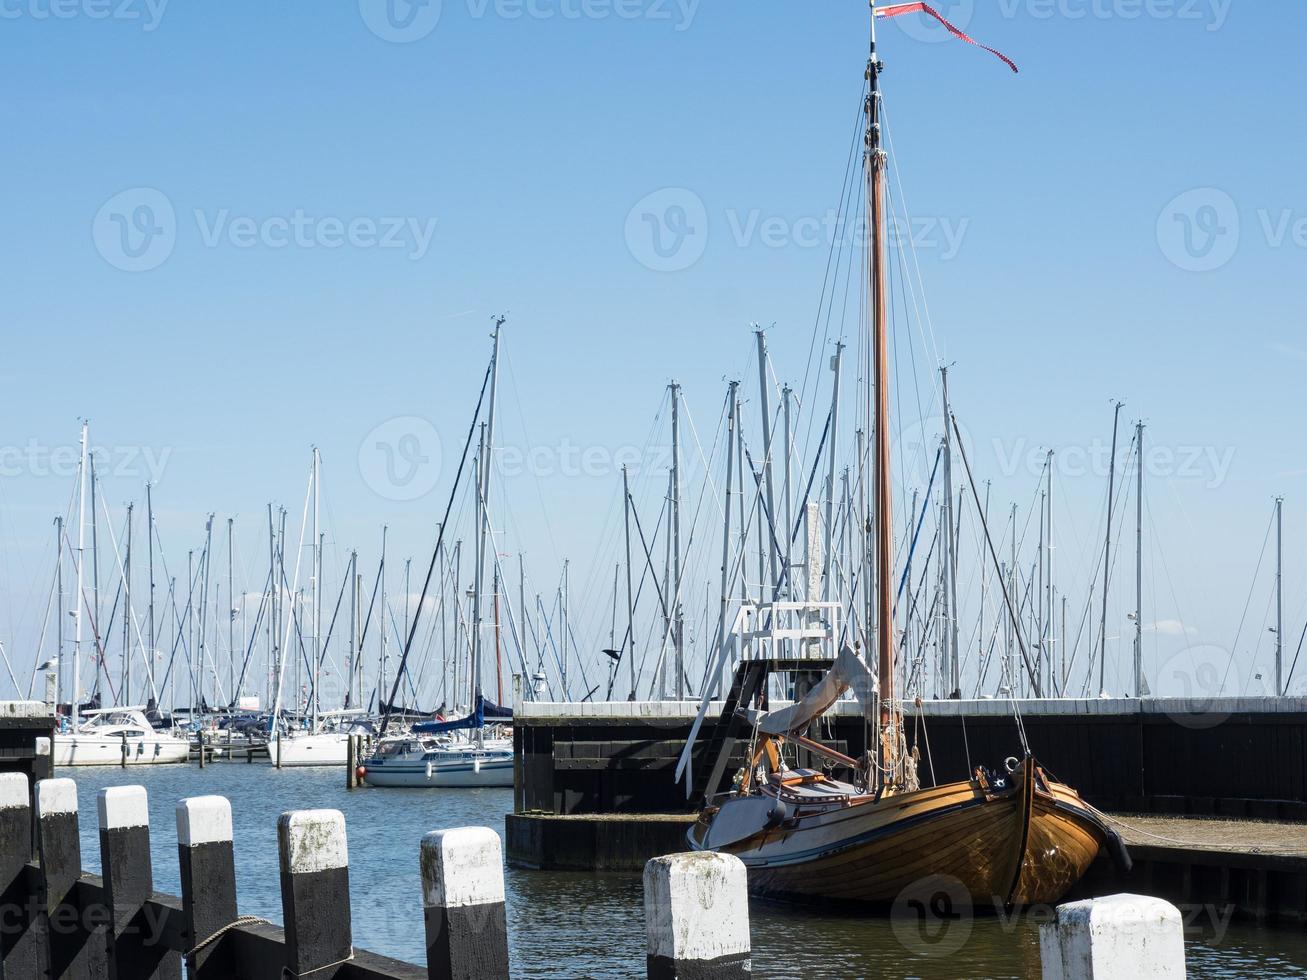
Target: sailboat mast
[(77, 597), (879, 340), (1279, 596), (1139, 562), (1107, 552)]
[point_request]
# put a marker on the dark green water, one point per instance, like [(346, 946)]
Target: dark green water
[(574, 925)]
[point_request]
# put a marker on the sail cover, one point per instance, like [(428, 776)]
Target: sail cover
[(487, 712), (848, 673)]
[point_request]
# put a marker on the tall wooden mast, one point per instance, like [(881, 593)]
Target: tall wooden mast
[(882, 526)]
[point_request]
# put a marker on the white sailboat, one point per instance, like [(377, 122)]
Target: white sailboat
[(455, 753), (433, 754), (111, 736)]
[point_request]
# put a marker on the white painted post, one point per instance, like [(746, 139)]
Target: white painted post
[(696, 916), (1122, 937), (463, 905)]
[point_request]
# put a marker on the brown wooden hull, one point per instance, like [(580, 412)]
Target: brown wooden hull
[(1026, 845)]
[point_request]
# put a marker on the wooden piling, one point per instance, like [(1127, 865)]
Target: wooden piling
[(352, 762), (74, 937), (133, 943), (208, 877), (463, 905), (314, 889), (19, 941), (696, 913)]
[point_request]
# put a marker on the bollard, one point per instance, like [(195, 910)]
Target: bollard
[(133, 946), (74, 938), (1122, 937), (314, 889), (208, 877), (463, 905), (18, 940), (696, 915)]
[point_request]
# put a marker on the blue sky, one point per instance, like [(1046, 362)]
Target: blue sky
[(493, 164)]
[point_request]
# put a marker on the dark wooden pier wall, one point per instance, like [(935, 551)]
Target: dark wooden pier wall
[(1232, 759)]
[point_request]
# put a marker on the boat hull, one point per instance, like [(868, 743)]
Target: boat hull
[(1024, 846), (304, 751), (487, 773), (90, 750)]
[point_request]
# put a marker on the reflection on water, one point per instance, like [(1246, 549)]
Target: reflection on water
[(581, 925)]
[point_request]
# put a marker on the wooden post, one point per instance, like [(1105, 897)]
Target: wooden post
[(314, 889), (208, 877), (463, 905), (696, 916), (74, 938), (133, 946), (19, 941), (124, 751), (352, 762), (1123, 937)]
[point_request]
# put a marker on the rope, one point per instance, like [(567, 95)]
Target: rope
[(1203, 845), (239, 923), (286, 971)]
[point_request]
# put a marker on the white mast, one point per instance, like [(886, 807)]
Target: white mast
[(77, 598)]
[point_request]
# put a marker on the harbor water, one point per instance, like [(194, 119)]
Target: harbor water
[(592, 925)]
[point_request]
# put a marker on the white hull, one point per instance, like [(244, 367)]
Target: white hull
[(323, 749), (96, 750), (469, 770)]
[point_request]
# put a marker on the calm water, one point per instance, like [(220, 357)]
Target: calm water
[(583, 925)]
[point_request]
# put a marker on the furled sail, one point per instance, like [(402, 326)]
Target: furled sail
[(849, 673)]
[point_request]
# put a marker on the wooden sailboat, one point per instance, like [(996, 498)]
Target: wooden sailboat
[(1007, 838)]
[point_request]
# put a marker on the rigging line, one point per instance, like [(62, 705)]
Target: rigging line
[(833, 254), (902, 197), (431, 568), (1234, 648), (1016, 625)]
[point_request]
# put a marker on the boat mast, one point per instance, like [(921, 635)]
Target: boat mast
[(59, 607), (317, 596), (482, 508), (77, 598), (127, 618), (1139, 561), (1107, 553), (882, 514), (949, 556), (1279, 596), (678, 610)]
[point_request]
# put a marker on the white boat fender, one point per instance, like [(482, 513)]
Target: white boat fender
[(428, 770), (476, 764)]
